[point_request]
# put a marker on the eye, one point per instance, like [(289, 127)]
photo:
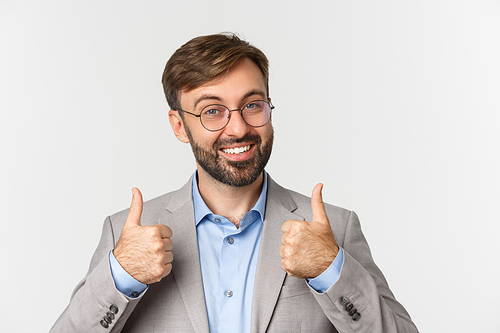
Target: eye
[(251, 106), (213, 111), (254, 107)]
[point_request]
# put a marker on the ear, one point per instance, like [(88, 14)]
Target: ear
[(178, 126)]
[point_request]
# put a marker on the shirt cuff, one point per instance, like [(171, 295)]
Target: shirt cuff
[(325, 280), (124, 282)]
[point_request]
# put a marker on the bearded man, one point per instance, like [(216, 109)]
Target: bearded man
[(250, 255)]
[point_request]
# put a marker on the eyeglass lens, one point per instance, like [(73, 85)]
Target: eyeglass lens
[(215, 117)]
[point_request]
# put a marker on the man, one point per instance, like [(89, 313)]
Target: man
[(250, 256)]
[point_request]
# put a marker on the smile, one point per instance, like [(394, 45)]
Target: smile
[(237, 150)]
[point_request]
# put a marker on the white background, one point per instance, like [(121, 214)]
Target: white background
[(393, 105)]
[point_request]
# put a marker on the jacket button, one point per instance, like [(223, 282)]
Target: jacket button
[(344, 300), (110, 315), (352, 312), (107, 319), (104, 324), (348, 306), (113, 308), (356, 316)]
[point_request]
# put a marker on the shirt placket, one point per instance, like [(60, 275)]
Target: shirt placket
[(230, 292)]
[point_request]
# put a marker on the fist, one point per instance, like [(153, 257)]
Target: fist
[(308, 248), (145, 252)]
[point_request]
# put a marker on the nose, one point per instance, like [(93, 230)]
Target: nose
[(237, 126)]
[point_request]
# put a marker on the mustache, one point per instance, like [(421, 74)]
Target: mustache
[(248, 138)]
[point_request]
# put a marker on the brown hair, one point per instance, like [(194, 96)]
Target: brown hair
[(204, 59)]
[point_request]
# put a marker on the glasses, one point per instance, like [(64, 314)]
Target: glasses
[(215, 117)]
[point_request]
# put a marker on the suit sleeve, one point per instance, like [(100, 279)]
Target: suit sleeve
[(361, 301), (95, 302)]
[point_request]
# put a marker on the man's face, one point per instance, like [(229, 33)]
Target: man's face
[(237, 154)]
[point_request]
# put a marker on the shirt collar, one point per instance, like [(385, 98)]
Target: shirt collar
[(201, 210)]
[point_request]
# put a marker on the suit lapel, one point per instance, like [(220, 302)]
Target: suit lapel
[(179, 216), (269, 275)]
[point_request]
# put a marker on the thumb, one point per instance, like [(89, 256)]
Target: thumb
[(135, 212), (317, 205)]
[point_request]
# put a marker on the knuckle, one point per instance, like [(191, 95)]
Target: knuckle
[(154, 232), (286, 265), (288, 251), (297, 226), (157, 246), (157, 271), (149, 233), (291, 241)]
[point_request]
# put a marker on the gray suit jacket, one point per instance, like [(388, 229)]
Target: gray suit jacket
[(281, 303)]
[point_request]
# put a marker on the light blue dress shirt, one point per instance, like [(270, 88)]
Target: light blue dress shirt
[(228, 259)]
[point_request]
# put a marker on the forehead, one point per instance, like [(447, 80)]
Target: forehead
[(242, 81)]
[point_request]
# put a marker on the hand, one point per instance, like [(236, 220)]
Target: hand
[(145, 252), (308, 248)]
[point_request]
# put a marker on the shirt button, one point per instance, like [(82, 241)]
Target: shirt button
[(230, 240), (228, 293), (217, 220)]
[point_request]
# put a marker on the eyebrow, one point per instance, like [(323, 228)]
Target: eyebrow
[(217, 98), (204, 98)]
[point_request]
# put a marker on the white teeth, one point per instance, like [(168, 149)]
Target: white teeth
[(237, 150)]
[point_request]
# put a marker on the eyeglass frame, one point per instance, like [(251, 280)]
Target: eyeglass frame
[(231, 110)]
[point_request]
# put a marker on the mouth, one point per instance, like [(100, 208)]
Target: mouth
[(236, 150), (238, 154)]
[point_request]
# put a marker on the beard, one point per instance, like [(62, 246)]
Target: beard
[(233, 173)]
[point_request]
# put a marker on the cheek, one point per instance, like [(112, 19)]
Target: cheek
[(207, 141), (200, 135), (209, 138), (267, 132)]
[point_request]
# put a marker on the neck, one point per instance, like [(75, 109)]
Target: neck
[(229, 201)]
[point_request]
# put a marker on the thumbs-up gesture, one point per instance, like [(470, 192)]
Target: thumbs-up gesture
[(308, 248), (145, 252)]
